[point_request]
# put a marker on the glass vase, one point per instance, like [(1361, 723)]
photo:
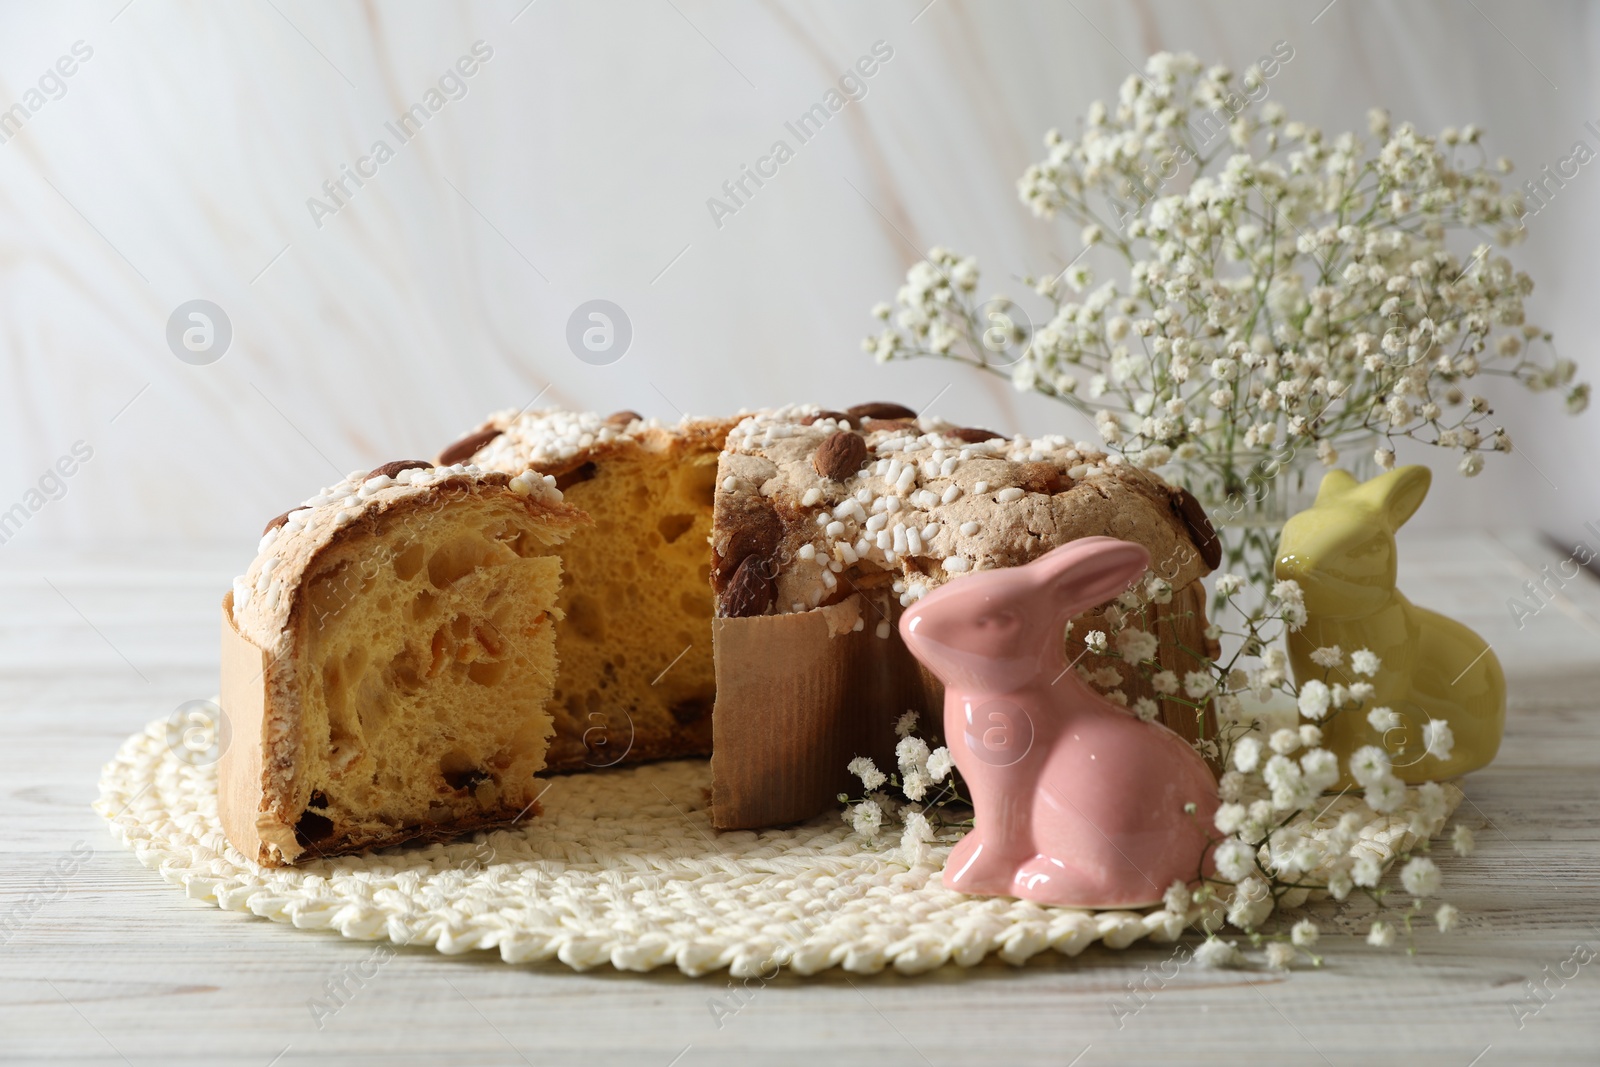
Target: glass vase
[(1249, 495)]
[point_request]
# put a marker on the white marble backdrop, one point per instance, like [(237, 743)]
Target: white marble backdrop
[(574, 163)]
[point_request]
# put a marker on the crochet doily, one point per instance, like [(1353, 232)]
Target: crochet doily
[(624, 869)]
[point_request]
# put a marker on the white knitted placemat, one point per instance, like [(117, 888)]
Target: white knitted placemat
[(624, 868)]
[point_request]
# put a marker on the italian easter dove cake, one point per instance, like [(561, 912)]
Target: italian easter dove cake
[(570, 592)]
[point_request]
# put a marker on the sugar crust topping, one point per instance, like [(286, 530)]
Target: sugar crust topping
[(262, 595)]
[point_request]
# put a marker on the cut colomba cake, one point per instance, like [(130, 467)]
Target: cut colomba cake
[(569, 592)]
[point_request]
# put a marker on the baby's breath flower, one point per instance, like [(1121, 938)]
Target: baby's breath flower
[(1164, 682), (1461, 840), (1251, 904), (1229, 817), (1385, 794), (1383, 720), (866, 818), (1137, 646), (1229, 584), (863, 768), (1420, 876), (1381, 934), (1234, 859), (1368, 764), (1215, 952), (1247, 754), (1304, 933), (907, 725), (1446, 918), (1284, 741), (1330, 656), (1314, 699), (1366, 870), (1438, 739), (1176, 899), (1279, 955), (1096, 640)]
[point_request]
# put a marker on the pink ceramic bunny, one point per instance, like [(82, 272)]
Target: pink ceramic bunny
[(1078, 802)]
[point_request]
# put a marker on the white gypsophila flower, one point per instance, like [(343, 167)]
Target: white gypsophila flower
[(1329, 656), (1366, 870), (866, 818), (1445, 918), (1370, 310), (1383, 719), (1368, 764), (1340, 884), (1284, 741), (1095, 640), (1231, 786), (1199, 684), (1364, 661), (1438, 739), (1247, 754), (1381, 934), (1164, 682), (1361, 692), (1385, 794), (863, 768), (912, 754), (914, 838), (1321, 769), (907, 725), (1146, 709), (1215, 952), (1304, 933), (1279, 955), (1235, 860), (914, 783), (1314, 699), (1461, 840), (1229, 584), (1229, 817), (1420, 876), (1252, 904), (1176, 899), (1137, 646), (939, 763), (1310, 736), (1158, 589)]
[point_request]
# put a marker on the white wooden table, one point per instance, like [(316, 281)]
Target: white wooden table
[(115, 966)]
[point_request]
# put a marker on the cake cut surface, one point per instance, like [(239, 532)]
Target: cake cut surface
[(406, 628), (637, 680)]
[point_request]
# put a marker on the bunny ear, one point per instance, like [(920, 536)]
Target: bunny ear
[(1092, 570), (1335, 483), (1399, 493)]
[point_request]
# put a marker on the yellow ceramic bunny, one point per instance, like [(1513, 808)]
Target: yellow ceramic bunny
[(1342, 552)]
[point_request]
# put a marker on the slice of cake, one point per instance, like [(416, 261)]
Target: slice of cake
[(634, 626), (388, 660), (828, 523)]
